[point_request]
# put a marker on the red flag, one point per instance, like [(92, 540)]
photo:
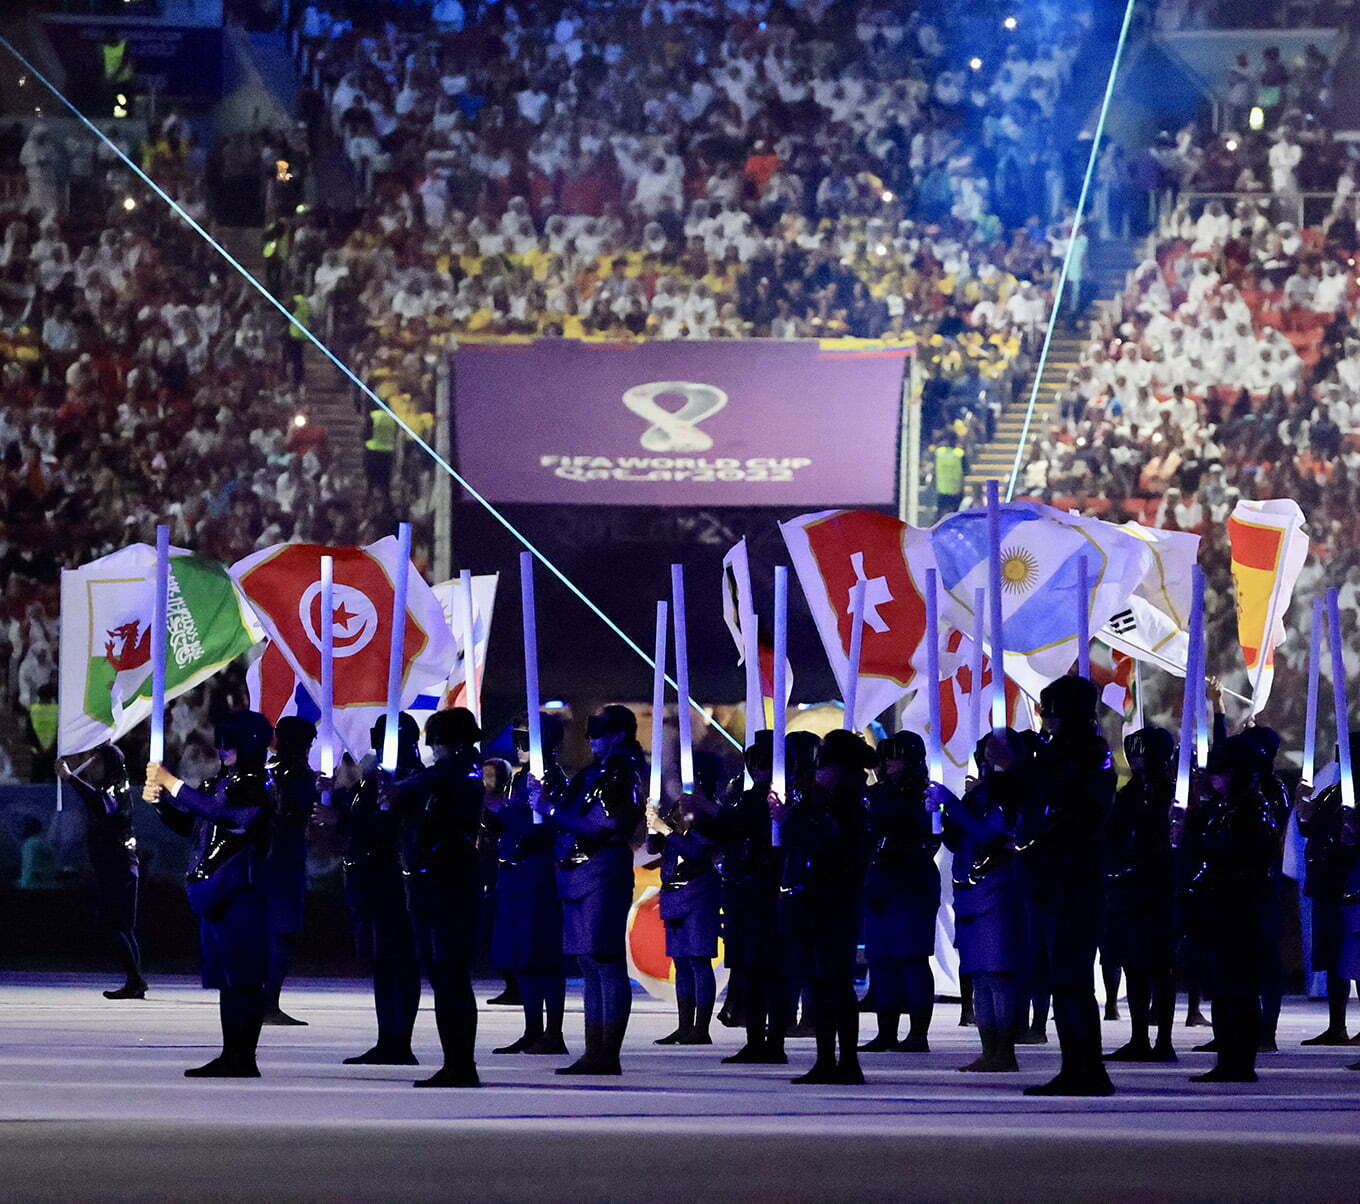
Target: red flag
[(833, 550), (282, 583)]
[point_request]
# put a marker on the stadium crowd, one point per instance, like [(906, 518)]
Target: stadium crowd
[(1230, 368), (677, 170), (133, 394)]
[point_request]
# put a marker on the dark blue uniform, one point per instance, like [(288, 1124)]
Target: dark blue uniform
[(376, 894), (754, 943), (295, 797), (989, 905), (595, 820), (440, 809), (821, 888), (227, 883), (1229, 900), (1140, 927), (526, 933), (691, 895), (113, 858), (1059, 836)]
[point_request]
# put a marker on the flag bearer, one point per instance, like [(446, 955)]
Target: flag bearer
[(595, 820), (101, 784), (371, 868), (440, 809), (228, 819)]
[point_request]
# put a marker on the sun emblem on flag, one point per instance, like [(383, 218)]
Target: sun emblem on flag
[(1019, 570)]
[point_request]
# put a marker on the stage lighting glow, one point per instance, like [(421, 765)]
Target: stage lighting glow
[(975, 63), (881, 249), (129, 203), (1010, 22), (299, 419), (1256, 119), (887, 197), (1231, 144), (554, 704), (23, 79)]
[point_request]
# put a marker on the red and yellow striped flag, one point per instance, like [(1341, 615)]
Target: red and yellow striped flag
[(1268, 550)]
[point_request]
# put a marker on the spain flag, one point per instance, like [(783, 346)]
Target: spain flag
[(1269, 547)]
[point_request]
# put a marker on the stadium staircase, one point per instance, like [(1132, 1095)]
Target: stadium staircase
[(1109, 263), (328, 395)]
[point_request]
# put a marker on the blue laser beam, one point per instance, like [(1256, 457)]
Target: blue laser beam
[(1071, 246)]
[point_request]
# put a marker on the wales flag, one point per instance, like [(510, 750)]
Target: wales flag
[(106, 610)]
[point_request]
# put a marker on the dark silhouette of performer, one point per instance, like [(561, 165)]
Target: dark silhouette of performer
[(691, 895), (100, 781), (1235, 846), (823, 824), (526, 932), (375, 892), (1140, 893), (228, 820), (1058, 839), (901, 895), (989, 907), (440, 809), (753, 941), (295, 798), (595, 821)]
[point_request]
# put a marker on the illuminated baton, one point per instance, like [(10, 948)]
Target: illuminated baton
[(684, 719), (856, 649), (397, 649), (1339, 703), (994, 597), (975, 695), (160, 627), (327, 633), (1083, 620), (934, 754), (1310, 715), (1194, 687), (531, 703), (659, 704), (778, 777), (467, 627)]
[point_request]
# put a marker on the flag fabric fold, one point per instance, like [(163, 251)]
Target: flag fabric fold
[(105, 657), (831, 551), (739, 599), (1269, 547), (282, 584), (1040, 550)]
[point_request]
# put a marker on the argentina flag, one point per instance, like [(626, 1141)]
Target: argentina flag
[(1040, 551)]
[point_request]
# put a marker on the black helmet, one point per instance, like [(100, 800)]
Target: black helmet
[(845, 750), (761, 753), (902, 746), (452, 728), (1154, 744), (408, 731), (800, 752), (614, 719), (550, 730), (104, 768), (247, 733), (1071, 699), (293, 736)]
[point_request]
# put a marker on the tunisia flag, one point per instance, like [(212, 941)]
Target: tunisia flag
[(283, 585), (831, 552)]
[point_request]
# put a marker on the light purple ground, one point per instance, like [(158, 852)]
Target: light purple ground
[(95, 1106)]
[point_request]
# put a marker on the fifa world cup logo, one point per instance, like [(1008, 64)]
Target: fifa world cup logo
[(675, 430)]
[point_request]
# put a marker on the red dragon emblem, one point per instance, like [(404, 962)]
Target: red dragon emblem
[(132, 643)]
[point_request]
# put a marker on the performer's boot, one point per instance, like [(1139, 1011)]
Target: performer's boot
[(887, 1034), (698, 1033), (593, 1061), (685, 1008)]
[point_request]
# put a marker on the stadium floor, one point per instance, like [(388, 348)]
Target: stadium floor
[(94, 1106)]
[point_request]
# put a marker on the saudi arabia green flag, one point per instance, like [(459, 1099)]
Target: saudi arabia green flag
[(106, 612)]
